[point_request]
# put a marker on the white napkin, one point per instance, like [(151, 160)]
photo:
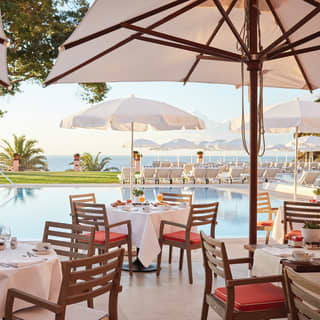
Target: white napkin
[(21, 263)]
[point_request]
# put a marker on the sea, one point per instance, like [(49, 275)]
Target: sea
[(62, 162)]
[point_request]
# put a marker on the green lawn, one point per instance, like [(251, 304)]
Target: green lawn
[(60, 177)]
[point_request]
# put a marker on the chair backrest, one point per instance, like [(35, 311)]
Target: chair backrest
[(85, 197), (264, 204), (270, 173), (212, 172), (303, 296), (187, 167), (163, 173), (92, 277), (93, 215), (125, 173), (148, 172), (177, 197), (300, 212), (176, 172), (309, 177), (69, 240), (156, 164), (235, 172), (199, 172), (165, 164), (215, 258), (203, 214)]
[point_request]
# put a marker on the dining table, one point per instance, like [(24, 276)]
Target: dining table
[(23, 269), (145, 224)]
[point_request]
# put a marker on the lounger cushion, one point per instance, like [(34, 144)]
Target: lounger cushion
[(180, 236), (292, 233), (254, 297), (267, 223), (99, 237), (73, 312)]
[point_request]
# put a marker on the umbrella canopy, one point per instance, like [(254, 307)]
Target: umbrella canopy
[(132, 114), (4, 80), (301, 116), (98, 50), (307, 143), (199, 41), (178, 144)]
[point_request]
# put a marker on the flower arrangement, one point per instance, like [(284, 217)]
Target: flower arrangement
[(316, 192), (137, 155), (137, 192), (200, 153)]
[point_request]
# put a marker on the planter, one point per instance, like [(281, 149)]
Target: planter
[(311, 235), (76, 157), (16, 156)]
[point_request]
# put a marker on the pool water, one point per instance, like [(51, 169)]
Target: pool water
[(25, 210)]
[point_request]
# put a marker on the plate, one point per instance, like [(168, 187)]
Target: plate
[(42, 252)]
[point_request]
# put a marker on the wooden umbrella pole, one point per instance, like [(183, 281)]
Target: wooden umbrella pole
[(253, 67), (131, 163)]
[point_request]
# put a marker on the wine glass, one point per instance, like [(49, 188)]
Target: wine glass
[(160, 197), (5, 233)]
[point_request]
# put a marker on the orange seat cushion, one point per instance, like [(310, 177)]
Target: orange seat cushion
[(254, 297), (267, 223), (180, 236), (99, 237), (293, 233)]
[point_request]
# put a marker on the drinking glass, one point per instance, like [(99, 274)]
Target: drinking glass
[(142, 198), (5, 233), (160, 197)]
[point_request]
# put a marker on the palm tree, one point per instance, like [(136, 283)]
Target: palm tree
[(87, 163), (30, 156)]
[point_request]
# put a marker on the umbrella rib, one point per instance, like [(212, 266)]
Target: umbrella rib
[(293, 29), (232, 27), (115, 27), (214, 51), (313, 2), (297, 51), (213, 35), (276, 17), (127, 40)]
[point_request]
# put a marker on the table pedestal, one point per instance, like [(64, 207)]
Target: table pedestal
[(137, 266)]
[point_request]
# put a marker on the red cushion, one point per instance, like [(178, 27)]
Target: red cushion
[(254, 297), (180, 236), (293, 233), (267, 223), (99, 237)]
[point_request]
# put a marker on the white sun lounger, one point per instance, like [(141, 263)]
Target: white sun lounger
[(212, 175), (309, 177), (124, 177), (148, 174), (176, 175), (155, 164), (270, 174), (198, 175), (234, 175), (162, 175), (165, 164)]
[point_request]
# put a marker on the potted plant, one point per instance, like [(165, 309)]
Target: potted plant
[(311, 232), (76, 157), (16, 156), (136, 194), (200, 156), (316, 194), (136, 155)]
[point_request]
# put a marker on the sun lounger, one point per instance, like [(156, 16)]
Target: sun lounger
[(162, 175), (309, 177), (212, 175), (178, 164), (156, 164), (165, 164), (234, 175), (198, 175), (176, 175), (124, 177), (187, 168), (270, 174), (147, 174)]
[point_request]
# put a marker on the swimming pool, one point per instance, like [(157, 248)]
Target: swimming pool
[(26, 209)]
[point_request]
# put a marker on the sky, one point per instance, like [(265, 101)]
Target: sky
[(37, 112)]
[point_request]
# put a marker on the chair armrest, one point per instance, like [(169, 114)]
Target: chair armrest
[(175, 224), (244, 281), (239, 260), (37, 301), (127, 222)]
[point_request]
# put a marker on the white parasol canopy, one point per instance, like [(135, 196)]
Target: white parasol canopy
[(133, 114), (4, 80), (298, 116), (307, 143)]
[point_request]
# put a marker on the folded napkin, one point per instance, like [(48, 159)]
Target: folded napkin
[(280, 252), (21, 263)]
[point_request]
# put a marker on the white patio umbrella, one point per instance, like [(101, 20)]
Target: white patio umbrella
[(133, 114), (298, 116), (4, 42), (198, 41)]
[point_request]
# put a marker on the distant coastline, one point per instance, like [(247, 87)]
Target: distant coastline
[(61, 162)]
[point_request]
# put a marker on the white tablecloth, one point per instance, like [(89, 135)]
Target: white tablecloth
[(278, 228), (267, 260), (146, 227), (40, 276)]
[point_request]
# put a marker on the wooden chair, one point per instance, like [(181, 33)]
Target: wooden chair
[(303, 296), (68, 239), (177, 197), (93, 214), (264, 206), (82, 279), (200, 214), (299, 212), (86, 197), (241, 299)]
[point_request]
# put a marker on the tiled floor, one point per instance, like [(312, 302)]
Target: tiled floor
[(170, 296)]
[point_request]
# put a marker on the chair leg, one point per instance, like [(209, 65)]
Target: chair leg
[(205, 309), (130, 257), (181, 259), (159, 260), (189, 265), (170, 254), (267, 237)]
